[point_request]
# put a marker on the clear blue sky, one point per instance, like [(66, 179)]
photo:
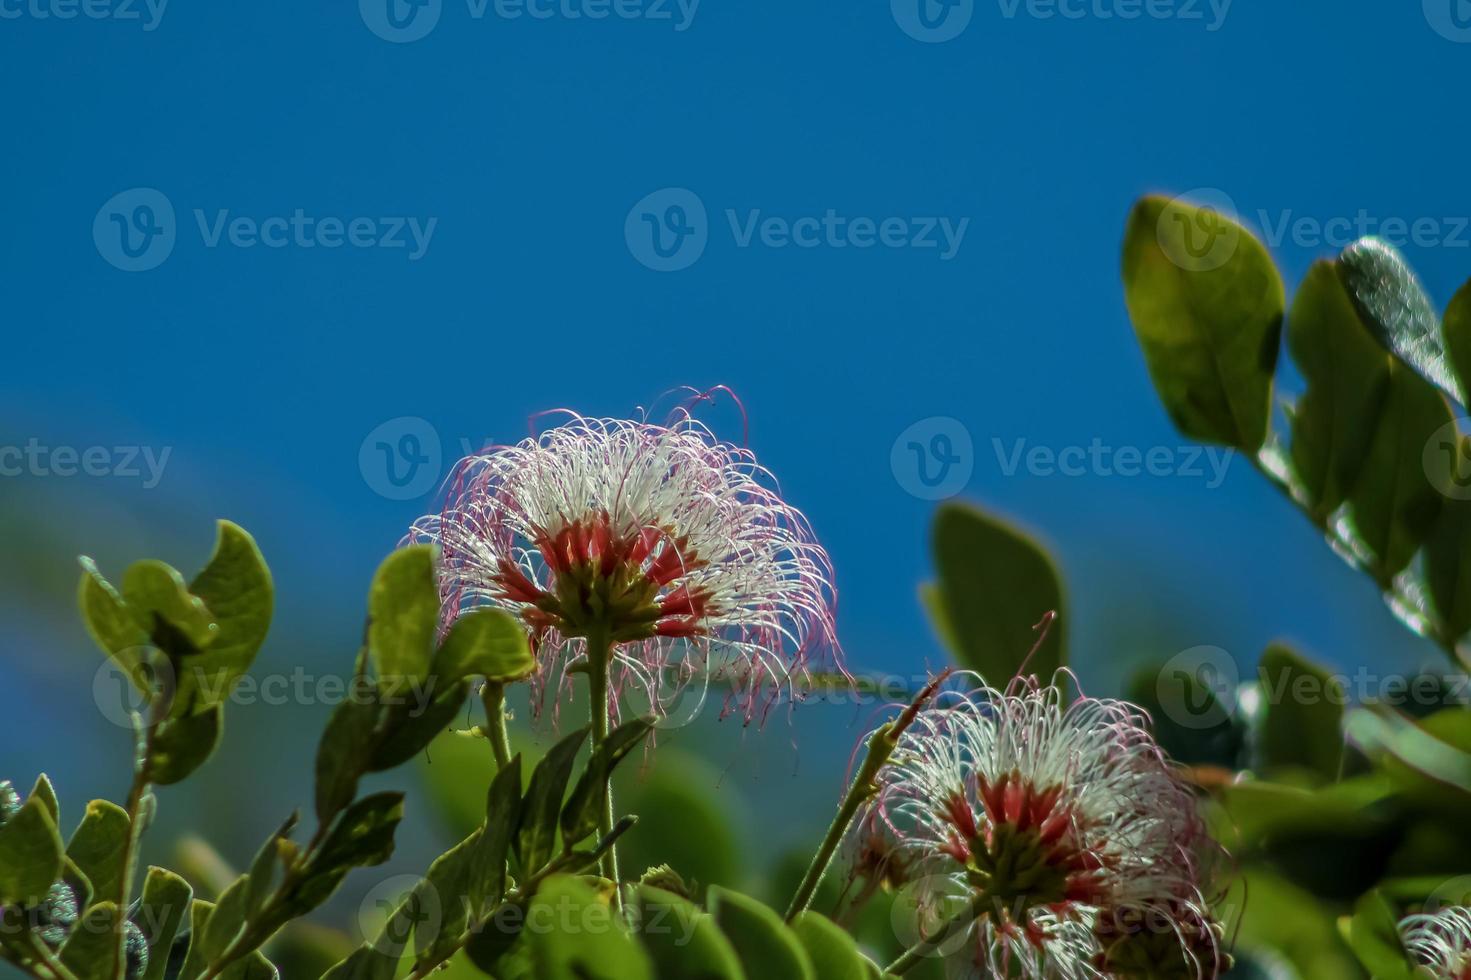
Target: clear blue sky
[(529, 141)]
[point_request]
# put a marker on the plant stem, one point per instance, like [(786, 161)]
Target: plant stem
[(881, 745), (953, 927), (142, 780), (599, 659), (493, 696)]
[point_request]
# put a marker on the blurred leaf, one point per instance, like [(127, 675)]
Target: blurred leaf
[(403, 616), (30, 854), (536, 832), (1208, 315), (236, 587), (1448, 567), (457, 770), (46, 793), (365, 963), (995, 585), (1304, 710), (1261, 810), (1394, 506), (832, 951), (1275, 915), (92, 949), (492, 847), (183, 744), (1347, 374), (766, 947), (496, 944), (1374, 936), (165, 902), (681, 940), (1209, 733), (1456, 329), (584, 806), (597, 946), (1396, 310), (160, 603), (1437, 748), (684, 821), (412, 726), (488, 642), (97, 847)]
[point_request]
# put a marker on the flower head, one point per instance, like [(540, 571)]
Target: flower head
[(672, 546), (1441, 942), (1067, 820)]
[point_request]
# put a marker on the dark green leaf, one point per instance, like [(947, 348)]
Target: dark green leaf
[(345, 751), (184, 743), (1394, 506), (1396, 310), (1448, 567), (403, 614), (1347, 374), (488, 642), (537, 830), (1304, 711), (1375, 939), (440, 906), (832, 951), (363, 835), (97, 847), (166, 899), (46, 793), (1456, 328), (681, 940), (995, 585), (30, 854), (365, 963), (237, 588), (584, 807), (766, 947), (1207, 303), (95, 944), (502, 815), (411, 726), (495, 943), (593, 945), (161, 605)]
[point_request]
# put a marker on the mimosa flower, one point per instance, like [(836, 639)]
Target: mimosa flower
[(1063, 818), (673, 546), (1440, 942)]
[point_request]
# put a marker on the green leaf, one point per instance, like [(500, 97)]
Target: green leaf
[(30, 854), (1374, 936), (1207, 303), (345, 751), (996, 584), (92, 950), (1448, 568), (1456, 329), (494, 946), (96, 847), (363, 835), (1394, 506), (441, 903), (108, 621), (262, 874), (237, 588), (184, 743), (492, 847), (832, 951), (584, 806), (1304, 712), (1347, 375), (161, 605), (588, 940), (681, 940), (488, 642), (1396, 310), (537, 828), (46, 793), (197, 958), (411, 726), (365, 963), (166, 899), (226, 920), (766, 947), (403, 614), (1428, 750)]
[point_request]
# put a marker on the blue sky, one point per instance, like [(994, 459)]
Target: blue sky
[(898, 218)]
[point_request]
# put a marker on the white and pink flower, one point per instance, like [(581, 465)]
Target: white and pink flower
[(1440, 942)]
